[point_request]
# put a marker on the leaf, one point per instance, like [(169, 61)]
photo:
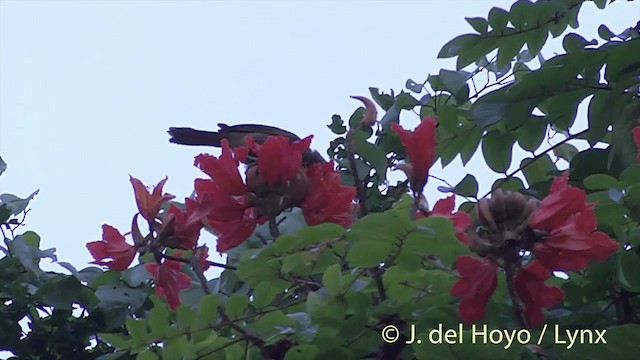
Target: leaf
[(456, 83), (621, 343), (605, 33), (3, 166), (185, 317), (158, 318), (600, 182), (468, 186), (498, 18), (15, 204), (532, 132), (372, 154), (236, 305), (332, 279), (538, 170), (413, 86), (488, 112), (573, 42), (454, 46), (337, 125), (536, 40), (565, 151), (479, 24), (136, 275), (373, 236), (116, 340), (496, 148), (26, 248), (302, 352), (264, 294), (512, 184)]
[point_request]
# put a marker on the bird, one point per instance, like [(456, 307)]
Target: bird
[(235, 135)]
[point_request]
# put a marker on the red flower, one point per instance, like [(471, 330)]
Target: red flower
[(188, 222), (149, 204), (534, 293), (112, 246), (234, 233), (328, 201), (478, 281), (203, 253), (563, 201), (570, 222), (169, 280), (574, 244), (420, 146), (460, 219), (636, 138), (222, 206), (223, 170), (279, 159)]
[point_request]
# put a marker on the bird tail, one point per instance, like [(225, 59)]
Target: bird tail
[(193, 137)]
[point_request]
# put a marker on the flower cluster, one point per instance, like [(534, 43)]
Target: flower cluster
[(275, 180), (175, 228), (560, 232)]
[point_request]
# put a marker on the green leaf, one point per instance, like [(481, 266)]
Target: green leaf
[(509, 48), (372, 154), (487, 112), (236, 305), (373, 236), (497, 148), (498, 18), (332, 279), (147, 354), (456, 83), (3, 166), (468, 186), (337, 125), (454, 46), (605, 33), (116, 340), (302, 352), (137, 330), (478, 24), (413, 86), (158, 318), (25, 248), (512, 184), (185, 317), (536, 40), (532, 132), (537, 170), (565, 151), (15, 204), (601, 182), (621, 343), (264, 294), (208, 309), (136, 275), (573, 42), (61, 292)]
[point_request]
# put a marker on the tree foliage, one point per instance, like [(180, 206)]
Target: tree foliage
[(297, 287)]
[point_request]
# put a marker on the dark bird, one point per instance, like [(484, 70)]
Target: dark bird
[(236, 134)]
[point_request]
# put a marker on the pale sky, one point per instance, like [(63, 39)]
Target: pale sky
[(88, 89)]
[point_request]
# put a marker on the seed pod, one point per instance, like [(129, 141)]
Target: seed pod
[(497, 206), (531, 206), (484, 214)]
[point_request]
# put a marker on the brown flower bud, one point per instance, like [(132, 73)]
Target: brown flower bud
[(370, 112)]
